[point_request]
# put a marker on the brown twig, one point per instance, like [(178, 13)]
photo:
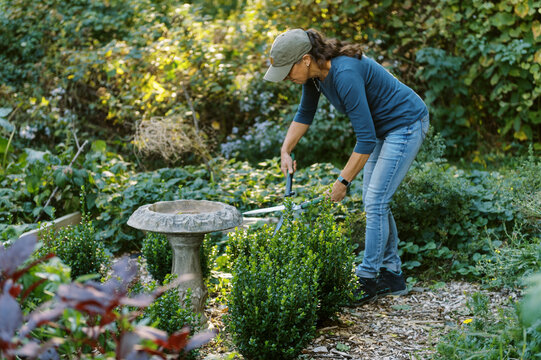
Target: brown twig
[(79, 150)]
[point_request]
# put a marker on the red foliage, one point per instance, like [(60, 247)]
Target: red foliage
[(98, 301)]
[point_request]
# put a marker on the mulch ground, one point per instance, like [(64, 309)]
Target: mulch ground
[(394, 327)]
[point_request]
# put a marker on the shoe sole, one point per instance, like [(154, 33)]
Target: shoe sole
[(379, 296), (395, 293)]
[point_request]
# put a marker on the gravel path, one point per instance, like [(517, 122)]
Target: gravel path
[(394, 327)]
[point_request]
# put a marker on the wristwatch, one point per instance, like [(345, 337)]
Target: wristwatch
[(344, 181)]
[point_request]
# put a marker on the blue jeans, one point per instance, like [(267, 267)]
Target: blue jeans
[(383, 172)]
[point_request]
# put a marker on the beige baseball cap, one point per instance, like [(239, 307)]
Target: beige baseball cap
[(287, 49)]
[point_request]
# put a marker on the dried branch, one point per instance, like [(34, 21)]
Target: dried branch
[(79, 150)]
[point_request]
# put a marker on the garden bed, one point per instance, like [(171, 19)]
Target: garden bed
[(392, 328)]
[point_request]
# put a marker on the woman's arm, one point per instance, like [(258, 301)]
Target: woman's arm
[(354, 165), (294, 134)]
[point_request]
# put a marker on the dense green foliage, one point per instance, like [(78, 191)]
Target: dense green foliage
[(98, 70), (28, 183), (266, 274), (274, 296), (78, 247), (158, 255), (514, 332), (477, 63), (169, 312), (334, 250), (461, 206), (450, 219), (113, 64)]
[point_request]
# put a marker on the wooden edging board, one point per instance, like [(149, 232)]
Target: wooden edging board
[(70, 219)]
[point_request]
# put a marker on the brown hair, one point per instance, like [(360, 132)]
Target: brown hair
[(324, 49)]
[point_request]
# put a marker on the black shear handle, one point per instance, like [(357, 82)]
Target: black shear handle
[(289, 181)]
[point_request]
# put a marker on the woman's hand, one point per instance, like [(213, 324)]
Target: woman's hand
[(287, 165), (338, 191)]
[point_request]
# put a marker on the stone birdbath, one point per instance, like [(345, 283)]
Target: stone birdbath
[(185, 223)]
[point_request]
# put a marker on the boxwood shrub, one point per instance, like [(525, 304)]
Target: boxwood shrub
[(273, 301), (284, 283), (335, 254), (159, 256), (79, 247), (169, 312)]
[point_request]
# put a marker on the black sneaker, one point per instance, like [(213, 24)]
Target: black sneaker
[(365, 291), (389, 283)]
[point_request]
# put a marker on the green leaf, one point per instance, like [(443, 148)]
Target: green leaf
[(34, 156), (5, 112), (32, 184), (503, 19), (99, 146), (49, 210), (60, 178), (6, 125), (3, 145), (342, 347)]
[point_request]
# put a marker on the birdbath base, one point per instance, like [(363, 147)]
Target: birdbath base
[(186, 262)]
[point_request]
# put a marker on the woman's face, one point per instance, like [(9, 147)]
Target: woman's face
[(299, 73)]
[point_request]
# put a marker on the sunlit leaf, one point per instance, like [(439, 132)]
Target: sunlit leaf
[(522, 9), (4, 112), (536, 29)]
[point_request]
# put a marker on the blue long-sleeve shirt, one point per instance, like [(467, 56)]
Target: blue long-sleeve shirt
[(375, 101)]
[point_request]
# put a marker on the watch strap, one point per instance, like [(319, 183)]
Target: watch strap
[(344, 181)]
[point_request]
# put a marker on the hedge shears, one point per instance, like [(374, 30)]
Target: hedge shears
[(288, 193)]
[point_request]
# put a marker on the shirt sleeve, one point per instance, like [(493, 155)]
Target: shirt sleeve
[(351, 91), (308, 106)]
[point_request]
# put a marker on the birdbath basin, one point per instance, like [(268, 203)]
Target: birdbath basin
[(185, 223)]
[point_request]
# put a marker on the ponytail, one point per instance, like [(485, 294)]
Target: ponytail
[(324, 49)]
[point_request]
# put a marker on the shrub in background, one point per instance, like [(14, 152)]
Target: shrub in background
[(443, 213), (169, 312), (273, 301), (78, 247), (524, 184), (158, 255)]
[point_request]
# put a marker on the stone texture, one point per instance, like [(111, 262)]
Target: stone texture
[(185, 217), (185, 223)]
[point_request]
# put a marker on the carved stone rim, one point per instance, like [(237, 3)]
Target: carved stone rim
[(185, 217)]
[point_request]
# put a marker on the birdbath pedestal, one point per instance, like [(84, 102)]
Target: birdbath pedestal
[(185, 223)]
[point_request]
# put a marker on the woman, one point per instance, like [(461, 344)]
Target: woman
[(390, 122)]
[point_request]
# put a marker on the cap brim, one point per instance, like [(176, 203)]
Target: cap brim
[(275, 73)]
